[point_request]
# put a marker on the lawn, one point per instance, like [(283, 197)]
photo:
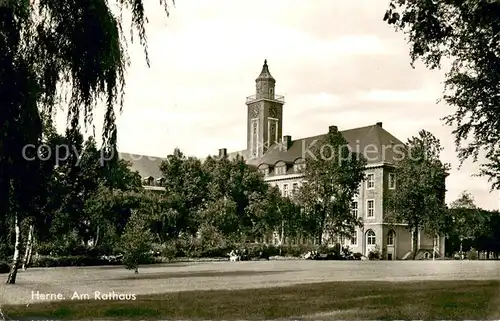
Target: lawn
[(265, 290), (329, 300)]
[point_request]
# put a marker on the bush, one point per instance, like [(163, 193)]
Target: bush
[(4, 267), (53, 261), (256, 251), (472, 255), (64, 261), (58, 249), (296, 250), (329, 253), (374, 255), (6, 250), (169, 251), (357, 256)]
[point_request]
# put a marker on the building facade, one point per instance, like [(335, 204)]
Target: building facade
[(282, 159)]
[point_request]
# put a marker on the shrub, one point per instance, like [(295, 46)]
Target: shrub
[(375, 254), (4, 267), (216, 251), (346, 253), (472, 254), (357, 256), (329, 253), (169, 250), (255, 251), (6, 250), (296, 250), (53, 261)]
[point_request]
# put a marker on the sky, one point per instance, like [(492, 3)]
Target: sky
[(335, 61)]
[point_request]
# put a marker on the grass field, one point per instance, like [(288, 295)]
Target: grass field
[(266, 290)]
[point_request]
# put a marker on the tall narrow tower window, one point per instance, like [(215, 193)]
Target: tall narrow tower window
[(273, 131), (255, 135)]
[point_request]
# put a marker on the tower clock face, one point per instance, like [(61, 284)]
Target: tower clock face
[(273, 111)]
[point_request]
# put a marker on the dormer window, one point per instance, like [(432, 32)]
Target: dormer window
[(149, 181), (299, 165), (280, 168), (159, 181), (297, 168), (264, 169)]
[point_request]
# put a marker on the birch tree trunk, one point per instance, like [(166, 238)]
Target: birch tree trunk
[(461, 250), (29, 246), (282, 236), (415, 244), (97, 236), (11, 278)]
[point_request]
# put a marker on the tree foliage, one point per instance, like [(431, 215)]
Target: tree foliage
[(332, 178), (419, 197), (467, 33), (137, 240), (69, 54), (468, 221)]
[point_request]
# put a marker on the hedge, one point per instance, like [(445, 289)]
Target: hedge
[(194, 250), (4, 267), (81, 260)]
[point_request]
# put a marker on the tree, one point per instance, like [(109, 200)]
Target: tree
[(489, 240), (49, 47), (467, 34), (185, 184), (418, 199), (137, 241), (468, 220), (272, 212), (333, 174), (231, 185)]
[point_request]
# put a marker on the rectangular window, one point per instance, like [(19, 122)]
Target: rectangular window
[(390, 238), (280, 170), (272, 129), (370, 208), (254, 138), (285, 190), (354, 239), (295, 188), (370, 181), (392, 181), (354, 209), (299, 168)]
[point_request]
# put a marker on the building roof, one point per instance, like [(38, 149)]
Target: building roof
[(147, 166), (373, 141)]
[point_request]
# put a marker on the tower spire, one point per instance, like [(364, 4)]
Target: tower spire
[(265, 74)]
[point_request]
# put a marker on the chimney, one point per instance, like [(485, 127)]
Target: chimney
[(222, 153), (379, 124), (287, 142), (333, 129)]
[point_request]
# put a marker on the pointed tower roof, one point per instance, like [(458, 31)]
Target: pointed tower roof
[(265, 74)]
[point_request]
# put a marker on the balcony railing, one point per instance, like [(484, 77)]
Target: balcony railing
[(279, 98)]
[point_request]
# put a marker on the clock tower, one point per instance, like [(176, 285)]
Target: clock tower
[(265, 115)]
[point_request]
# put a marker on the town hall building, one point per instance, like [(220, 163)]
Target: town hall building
[(281, 159)]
